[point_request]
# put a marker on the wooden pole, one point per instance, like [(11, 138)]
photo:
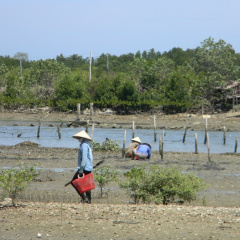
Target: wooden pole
[(224, 135), (38, 132), (196, 144), (90, 67), (185, 133), (87, 126), (236, 144), (155, 130), (133, 129), (91, 110), (208, 148), (78, 111), (59, 132), (124, 143), (206, 123), (161, 148), (92, 130), (162, 136), (162, 143)]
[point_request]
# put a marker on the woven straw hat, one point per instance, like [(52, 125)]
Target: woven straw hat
[(81, 134), (136, 139)]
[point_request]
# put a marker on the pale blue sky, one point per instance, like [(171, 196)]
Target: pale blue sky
[(47, 28)]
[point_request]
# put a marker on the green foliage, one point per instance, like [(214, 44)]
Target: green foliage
[(104, 176), (12, 84), (161, 185), (104, 91), (73, 61), (107, 145), (215, 62), (15, 180), (176, 81), (126, 91), (179, 56), (96, 146), (134, 184)]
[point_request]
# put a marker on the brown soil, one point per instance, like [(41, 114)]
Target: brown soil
[(49, 210)]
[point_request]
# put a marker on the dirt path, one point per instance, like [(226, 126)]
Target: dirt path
[(106, 221)]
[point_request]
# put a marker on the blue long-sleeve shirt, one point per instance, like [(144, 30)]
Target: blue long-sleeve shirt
[(85, 158), (145, 149)]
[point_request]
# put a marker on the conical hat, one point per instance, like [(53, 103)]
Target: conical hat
[(81, 134), (136, 139)]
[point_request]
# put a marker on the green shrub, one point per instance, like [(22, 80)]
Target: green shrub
[(96, 146), (161, 184), (135, 180), (15, 180), (104, 176), (107, 145)]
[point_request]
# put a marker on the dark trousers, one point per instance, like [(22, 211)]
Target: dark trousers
[(88, 193)]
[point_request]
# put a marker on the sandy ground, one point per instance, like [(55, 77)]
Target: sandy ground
[(48, 210)]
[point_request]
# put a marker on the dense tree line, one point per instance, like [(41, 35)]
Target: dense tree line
[(173, 81)]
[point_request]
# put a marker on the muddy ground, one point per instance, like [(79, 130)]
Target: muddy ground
[(48, 210), (215, 122)]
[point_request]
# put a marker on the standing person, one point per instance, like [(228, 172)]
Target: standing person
[(135, 143), (142, 151), (85, 160)]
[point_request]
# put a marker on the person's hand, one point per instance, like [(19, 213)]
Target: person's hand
[(80, 172)]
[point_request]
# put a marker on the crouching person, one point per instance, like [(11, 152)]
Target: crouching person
[(135, 143), (143, 151)]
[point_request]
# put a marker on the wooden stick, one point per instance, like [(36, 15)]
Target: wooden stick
[(185, 133), (236, 144), (133, 129), (87, 126), (205, 139), (196, 144), (92, 130), (91, 110), (38, 133), (162, 138), (59, 132), (161, 143), (224, 135), (124, 143), (208, 148), (155, 130), (160, 148), (78, 111)]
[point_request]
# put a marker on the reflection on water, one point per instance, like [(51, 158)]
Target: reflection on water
[(173, 139)]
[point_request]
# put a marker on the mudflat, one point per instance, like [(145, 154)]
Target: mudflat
[(215, 122), (48, 210)]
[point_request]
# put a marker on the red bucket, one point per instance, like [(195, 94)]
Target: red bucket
[(84, 184)]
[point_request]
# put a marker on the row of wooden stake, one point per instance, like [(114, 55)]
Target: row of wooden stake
[(161, 139)]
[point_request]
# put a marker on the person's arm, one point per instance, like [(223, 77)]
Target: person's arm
[(82, 159), (84, 155)]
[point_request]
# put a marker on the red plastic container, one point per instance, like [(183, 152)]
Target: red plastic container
[(84, 184)]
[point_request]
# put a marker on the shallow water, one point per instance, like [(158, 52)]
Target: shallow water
[(173, 139)]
